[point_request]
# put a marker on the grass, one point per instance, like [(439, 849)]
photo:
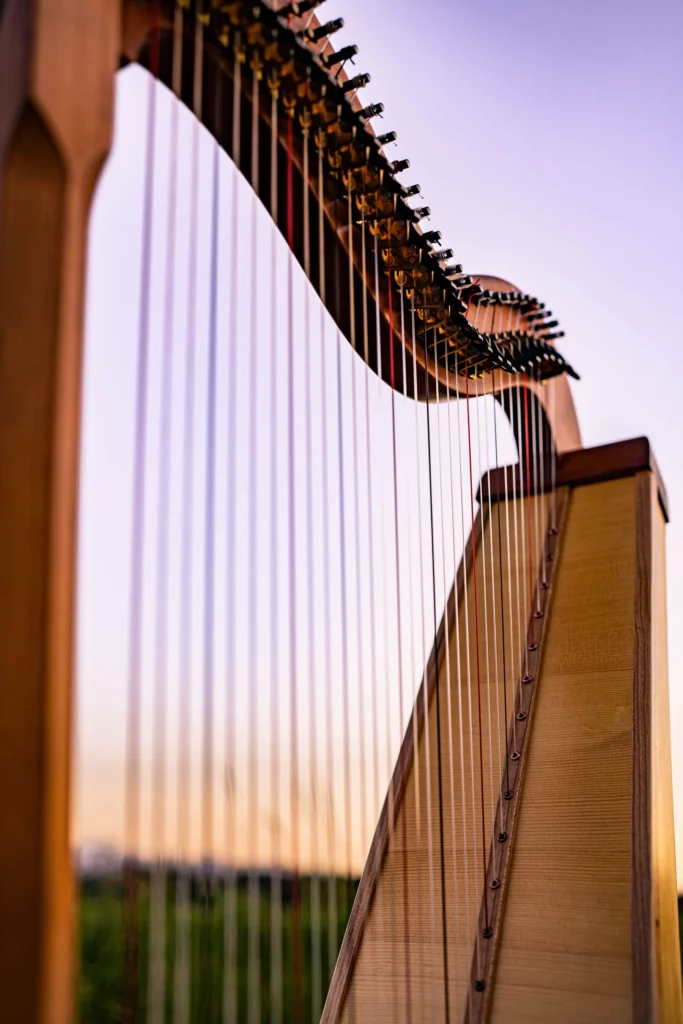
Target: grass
[(102, 941), (108, 992)]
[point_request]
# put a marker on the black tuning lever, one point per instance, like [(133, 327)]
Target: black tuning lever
[(314, 34), (346, 53), (358, 82)]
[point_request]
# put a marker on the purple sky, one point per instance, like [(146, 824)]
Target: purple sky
[(548, 140)]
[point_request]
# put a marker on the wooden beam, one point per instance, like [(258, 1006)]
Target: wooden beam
[(55, 130)]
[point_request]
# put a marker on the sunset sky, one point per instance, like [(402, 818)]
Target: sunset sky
[(547, 140)]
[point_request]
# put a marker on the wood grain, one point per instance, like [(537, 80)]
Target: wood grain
[(57, 131), (394, 964), (490, 914)]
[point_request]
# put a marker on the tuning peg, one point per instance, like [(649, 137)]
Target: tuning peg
[(420, 212), (398, 166), (431, 237), (314, 34), (346, 53), (442, 255), (384, 140), (373, 110), (358, 82), (410, 190)]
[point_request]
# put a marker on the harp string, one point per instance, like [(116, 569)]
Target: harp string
[(501, 725), (294, 810), (484, 577), (390, 923), (399, 626), (158, 882), (447, 659), (131, 908), (332, 909), (423, 633), (253, 675), (276, 916), (458, 674), (230, 894), (437, 703), (313, 674)]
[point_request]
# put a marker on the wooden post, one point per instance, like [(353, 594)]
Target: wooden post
[(57, 64)]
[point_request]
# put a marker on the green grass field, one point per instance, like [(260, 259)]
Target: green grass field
[(101, 982), (103, 936)]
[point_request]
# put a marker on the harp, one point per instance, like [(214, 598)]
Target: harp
[(461, 742)]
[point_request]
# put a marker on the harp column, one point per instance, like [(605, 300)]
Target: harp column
[(57, 64)]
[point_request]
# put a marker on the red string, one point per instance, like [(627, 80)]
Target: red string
[(528, 507), (476, 634)]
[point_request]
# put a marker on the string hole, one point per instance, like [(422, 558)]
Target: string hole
[(521, 716), (549, 556), (494, 884), (487, 932), (538, 614), (501, 837), (479, 985), (532, 647), (544, 585), (553, 531), (526, 678), (508, 794), (515, 755)]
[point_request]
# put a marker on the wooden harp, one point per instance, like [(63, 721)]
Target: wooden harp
[(522, 871)]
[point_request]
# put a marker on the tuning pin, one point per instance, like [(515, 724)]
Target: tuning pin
[(430, 237), (314, 34), (420, 212), (384, 140), (346, 53), (398, 166), (453, 271), (410, 190), (373, 110), (358, 82), (442, 255)]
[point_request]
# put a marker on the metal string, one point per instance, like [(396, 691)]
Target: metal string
[(133, 725), (390, 923), (254, 893), (399, 624), (332, 912), (437, 704), (276, 922), (157, 919), (447, 645), (316, 937), (469, 678), (230, 885), (458, 666), (484, 522), (423, 622), (292, 599)]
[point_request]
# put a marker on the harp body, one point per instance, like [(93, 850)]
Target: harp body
[(578, 924), (581, 923)]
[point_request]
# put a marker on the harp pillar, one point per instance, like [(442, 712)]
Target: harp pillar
[(57, 64), (586, 927)]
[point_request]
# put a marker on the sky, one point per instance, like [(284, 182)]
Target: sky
[(546, 138)]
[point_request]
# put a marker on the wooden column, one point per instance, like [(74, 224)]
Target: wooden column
[(58, 60)]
